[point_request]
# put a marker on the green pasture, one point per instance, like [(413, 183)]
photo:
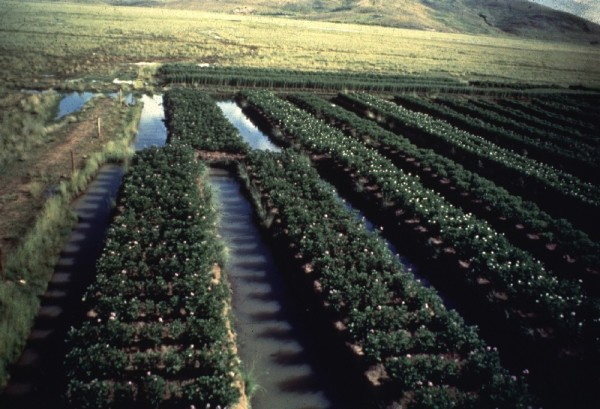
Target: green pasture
[(50, 42)]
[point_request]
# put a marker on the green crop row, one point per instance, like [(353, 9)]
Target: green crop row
[(425, 354), (570, 110), (586, 128), (523, 282), (491, 117), (573, 157), (502, 204), (156, 333), (558, 192), (193, 118), (515, 115)]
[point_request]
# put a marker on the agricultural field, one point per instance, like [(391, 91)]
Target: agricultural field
[(473, 159), (157, 332), (49, 42), (496, 262), (525, 280)]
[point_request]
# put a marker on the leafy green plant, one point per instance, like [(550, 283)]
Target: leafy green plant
[(154, 300), (194, 118), (386, 313)]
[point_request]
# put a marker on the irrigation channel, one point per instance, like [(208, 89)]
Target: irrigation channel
[(37, 379), (277, 340), (278, 335)]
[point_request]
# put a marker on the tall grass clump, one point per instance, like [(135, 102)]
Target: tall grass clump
[(17, 304), (24, 125), (29, 267), (251, 385)]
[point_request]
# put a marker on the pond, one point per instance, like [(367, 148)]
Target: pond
[(74, 102)]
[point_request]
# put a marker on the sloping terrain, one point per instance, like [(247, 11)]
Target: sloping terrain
[(588, 9), (514, 17), (528, 19)]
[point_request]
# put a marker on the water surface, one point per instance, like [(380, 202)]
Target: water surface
[(73, 102), (152, 130), (272, 342), (38, 378), (250, 133)]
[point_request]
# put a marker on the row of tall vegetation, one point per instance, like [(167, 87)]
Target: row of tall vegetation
[(156, 334), (547, 312), (188, 74), (420, 353)]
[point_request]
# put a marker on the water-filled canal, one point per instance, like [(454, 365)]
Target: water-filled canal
[(37, 379), (273, 341), (250, 133), (277, 342), (151, 130)]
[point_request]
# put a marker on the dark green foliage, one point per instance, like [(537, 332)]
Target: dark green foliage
[(156, 333), (510, 270), (193, 118), (500, 202), (291, 79), (571, 156), (393, 319)]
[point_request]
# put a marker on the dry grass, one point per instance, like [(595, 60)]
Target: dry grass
[(33, 228), (48, 42)]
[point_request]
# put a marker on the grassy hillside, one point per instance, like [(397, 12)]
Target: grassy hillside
[(515, 17), (589, 9), (52, 41)]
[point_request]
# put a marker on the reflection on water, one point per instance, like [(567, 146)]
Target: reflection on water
[(251, 134), (128, 98), (270, 341), (73, 102), (37, 379), (151, 130)]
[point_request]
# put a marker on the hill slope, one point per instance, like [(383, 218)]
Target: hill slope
[(588, 9), (514, 17)]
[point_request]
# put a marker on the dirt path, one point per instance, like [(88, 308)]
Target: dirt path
[(24, 184)]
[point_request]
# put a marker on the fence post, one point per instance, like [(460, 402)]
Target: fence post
[(99, 129), (72, 162)]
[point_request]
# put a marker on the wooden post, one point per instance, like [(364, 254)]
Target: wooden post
[(99, 129), (1, 266), (72, 162)]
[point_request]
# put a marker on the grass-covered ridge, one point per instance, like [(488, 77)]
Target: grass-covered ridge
[(516, 17), (50, 41)]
